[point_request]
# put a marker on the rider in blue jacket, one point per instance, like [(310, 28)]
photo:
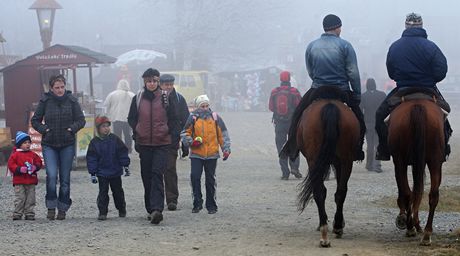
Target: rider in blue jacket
[(416, 64)]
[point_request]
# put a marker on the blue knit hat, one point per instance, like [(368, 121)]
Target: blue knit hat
[(21, 137)]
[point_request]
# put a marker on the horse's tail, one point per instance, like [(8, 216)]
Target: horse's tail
[(330, 117), (418, 121)]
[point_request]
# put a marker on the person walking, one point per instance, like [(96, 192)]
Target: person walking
[(24, 165), (370, 101), (106, 159), (117, 106), (204, 132), (58, 118), (170, 176), (330, 61), (154, 120), (283, 101), (417, 65)]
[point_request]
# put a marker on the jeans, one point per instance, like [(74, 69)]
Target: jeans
[(281, 133), (58, 163), (209, 167)]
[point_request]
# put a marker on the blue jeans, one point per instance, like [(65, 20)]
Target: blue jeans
[(209, 167), (58, 161)]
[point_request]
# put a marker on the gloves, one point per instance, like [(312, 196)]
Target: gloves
[(93, 179), (23, 170), (197, 142), (185, 151), (127, 172), (226, 155)]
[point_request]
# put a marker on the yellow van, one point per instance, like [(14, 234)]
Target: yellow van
[(190, 83)]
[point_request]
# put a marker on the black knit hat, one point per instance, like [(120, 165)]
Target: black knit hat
[(331, 22), (166, 78), (150, 73)]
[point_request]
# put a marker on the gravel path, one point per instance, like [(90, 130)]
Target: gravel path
[(257, 212)]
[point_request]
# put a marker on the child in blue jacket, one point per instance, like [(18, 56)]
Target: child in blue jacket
[(106, 159)]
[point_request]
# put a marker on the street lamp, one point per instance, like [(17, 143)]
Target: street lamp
[(45, 14)]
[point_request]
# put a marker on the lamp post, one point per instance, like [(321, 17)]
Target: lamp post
[(45, 14)]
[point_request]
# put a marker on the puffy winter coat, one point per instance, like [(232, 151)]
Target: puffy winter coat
[(413, 60), (106, 156), (211, 128), (17, 160)]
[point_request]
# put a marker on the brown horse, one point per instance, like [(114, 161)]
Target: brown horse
[(416, 137), (327, 134)]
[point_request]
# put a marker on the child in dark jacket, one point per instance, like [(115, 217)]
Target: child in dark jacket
[(106, 159), (24, 164)]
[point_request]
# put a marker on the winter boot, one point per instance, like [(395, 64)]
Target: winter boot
[(51, 214)]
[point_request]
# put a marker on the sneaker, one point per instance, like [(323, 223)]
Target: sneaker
[(17, 217), (29, 217), (102, 217), (212, 211), (157, 217), (122, 213), (172, 206), (197, 209), (61, 215), (296, 173), (51, 214)]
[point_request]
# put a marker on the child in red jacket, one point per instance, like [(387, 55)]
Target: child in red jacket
[(24, 164)]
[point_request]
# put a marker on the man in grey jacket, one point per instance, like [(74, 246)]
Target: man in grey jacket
[(330, 61)]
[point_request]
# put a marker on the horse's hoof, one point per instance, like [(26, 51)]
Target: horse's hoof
[(324, 243), (426, 240), (338, 232), (401, 221), (411, 232)]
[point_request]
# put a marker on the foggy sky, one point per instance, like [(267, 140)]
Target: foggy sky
[(234, 28)]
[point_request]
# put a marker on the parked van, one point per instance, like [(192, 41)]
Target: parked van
[(190, 83)]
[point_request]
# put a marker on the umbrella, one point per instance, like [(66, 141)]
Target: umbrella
[(138, 57)]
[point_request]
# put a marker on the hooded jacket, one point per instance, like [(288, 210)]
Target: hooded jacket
[(118, 102), (106, 156), (58, 114), (413, 60), (212, 130)]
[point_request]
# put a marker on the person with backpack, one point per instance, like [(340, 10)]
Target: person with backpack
[(204, 132), (154, 120), (283, 101)]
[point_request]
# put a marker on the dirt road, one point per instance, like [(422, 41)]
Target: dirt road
[(257, 212)]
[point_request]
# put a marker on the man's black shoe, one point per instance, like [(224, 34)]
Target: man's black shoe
[(197, 209), (157, 217)]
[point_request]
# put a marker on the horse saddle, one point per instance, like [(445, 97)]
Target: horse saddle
[(417, 93)]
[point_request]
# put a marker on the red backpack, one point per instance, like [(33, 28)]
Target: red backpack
[(282, 104)]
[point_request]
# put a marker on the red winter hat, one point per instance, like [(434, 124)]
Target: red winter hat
[(100, 120), (285, 76)]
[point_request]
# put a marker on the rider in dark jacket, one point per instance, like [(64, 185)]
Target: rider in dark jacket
[(416, 64)]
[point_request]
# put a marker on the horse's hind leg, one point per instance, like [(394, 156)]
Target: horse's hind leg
[(343, 174), (404, 196), (435, 175), (417, 195), (319, 194)]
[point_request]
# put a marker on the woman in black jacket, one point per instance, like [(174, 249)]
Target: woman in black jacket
[(58, 118)]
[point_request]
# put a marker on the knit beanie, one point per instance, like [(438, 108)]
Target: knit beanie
[(285, 78), (202, 99), (414, 20), (331, 22), (21, 137)]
